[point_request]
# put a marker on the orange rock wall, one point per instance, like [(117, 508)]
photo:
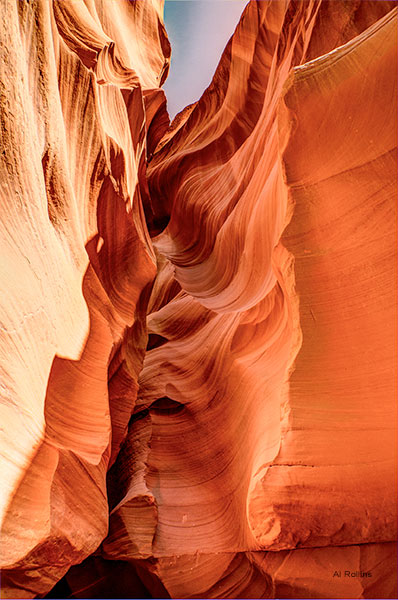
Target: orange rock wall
[(198, 320), (78, 264)]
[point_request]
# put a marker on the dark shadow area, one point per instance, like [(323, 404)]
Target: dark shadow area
[(166, 406), (99, 578), (155, 341), (60, 590)]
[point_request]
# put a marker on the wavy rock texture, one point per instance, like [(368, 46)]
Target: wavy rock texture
[(77, 269), (246, 446)]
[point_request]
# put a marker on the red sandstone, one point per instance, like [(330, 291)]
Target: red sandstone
[(197, 320)]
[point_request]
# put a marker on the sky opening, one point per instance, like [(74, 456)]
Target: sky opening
[(198, 31)]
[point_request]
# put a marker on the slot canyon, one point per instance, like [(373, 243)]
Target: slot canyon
[(198, 317)]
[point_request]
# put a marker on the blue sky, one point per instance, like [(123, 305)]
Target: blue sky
[(198, 31)]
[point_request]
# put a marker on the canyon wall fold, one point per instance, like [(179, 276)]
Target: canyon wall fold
[(77, 267), (197, 319)]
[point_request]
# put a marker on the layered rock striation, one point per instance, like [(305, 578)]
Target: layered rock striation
[(197, 319), (78, 265)]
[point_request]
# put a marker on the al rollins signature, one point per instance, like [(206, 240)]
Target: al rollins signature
[(352, 574)]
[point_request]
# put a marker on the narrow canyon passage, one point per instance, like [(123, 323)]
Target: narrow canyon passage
[(197, 320)]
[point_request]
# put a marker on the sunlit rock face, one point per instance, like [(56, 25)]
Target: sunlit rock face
[(197, 320), (77, 267)]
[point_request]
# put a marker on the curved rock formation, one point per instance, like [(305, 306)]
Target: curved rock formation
[(223, 390), (78, 267)]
